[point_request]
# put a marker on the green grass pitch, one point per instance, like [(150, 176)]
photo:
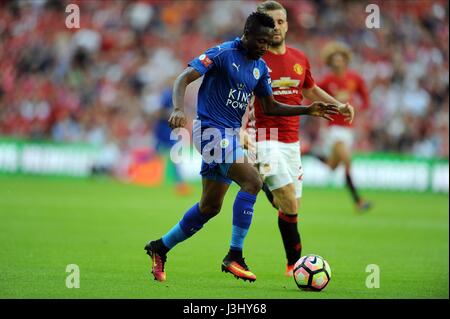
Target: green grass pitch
[(102, 226)]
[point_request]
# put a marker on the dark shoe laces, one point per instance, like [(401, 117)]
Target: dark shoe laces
[(241, 261)]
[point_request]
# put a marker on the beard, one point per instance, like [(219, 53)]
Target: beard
[(277, 43)]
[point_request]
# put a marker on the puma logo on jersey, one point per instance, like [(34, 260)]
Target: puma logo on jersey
[(236, 66)]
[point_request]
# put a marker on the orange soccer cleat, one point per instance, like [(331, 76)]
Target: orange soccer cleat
[(158, 261), (238, 268), (289, 271)]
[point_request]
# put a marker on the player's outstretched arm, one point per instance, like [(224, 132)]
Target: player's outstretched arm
[(316, 93), (178, 118), (321, 109)]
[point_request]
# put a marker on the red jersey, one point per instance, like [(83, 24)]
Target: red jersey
[(345, 88), (290, 72)]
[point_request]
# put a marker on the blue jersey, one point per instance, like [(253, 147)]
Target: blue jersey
[(229, 83)]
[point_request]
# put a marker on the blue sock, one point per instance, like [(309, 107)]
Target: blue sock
[(191, 222), (242, 218)]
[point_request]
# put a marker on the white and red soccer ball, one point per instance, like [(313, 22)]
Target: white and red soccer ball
[(312, 272)]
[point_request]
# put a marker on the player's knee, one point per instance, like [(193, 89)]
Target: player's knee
[(289, 206), (333, 164), (252, 185), (294, 206), (210, 209)]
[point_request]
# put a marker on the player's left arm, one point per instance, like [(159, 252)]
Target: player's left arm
[(315, 93), (272, 107)]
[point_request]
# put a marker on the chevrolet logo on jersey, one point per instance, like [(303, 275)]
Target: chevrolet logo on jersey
[(285, 82)]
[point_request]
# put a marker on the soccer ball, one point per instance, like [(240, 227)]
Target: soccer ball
[(312, 272)]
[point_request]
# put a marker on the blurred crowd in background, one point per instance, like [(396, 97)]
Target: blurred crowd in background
[(102, 84)]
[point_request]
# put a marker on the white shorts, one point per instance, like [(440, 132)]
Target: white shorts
[(280, 164), (334, 134)]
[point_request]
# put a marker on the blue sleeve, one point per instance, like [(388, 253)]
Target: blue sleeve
[(206, 61), (264, 85)]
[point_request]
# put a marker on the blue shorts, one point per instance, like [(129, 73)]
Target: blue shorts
[(219, 148)]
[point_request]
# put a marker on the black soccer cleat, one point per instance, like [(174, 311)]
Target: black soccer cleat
[(158, 261), (238, 268)]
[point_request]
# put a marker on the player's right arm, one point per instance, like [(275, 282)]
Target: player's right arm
[(197, 67), (178, 117)]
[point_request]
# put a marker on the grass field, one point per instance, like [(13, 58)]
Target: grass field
[(102, 226)]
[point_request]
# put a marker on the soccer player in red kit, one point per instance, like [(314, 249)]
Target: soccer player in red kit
[(279, 158), (345, 85)]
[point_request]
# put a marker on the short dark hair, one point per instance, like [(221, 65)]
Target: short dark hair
[(258, 19), (270, 5)]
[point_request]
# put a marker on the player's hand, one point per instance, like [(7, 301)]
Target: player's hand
[(246, 140), (348, 111), (322, 109), (177, 119)]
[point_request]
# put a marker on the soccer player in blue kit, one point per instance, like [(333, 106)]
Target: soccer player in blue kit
[(233, 71), (162, 133)]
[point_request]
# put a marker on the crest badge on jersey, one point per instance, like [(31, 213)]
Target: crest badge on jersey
[(224, 143), (256, 73), (298, 69)]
